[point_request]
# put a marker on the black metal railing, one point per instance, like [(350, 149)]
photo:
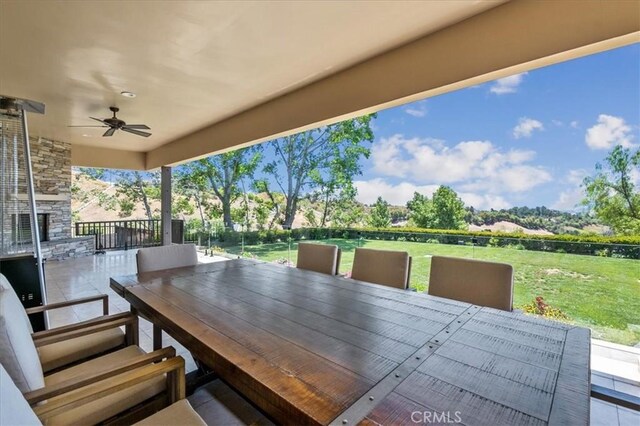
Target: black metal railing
[(122, 234)]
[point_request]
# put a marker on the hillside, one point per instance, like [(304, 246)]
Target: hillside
[(94, 200)]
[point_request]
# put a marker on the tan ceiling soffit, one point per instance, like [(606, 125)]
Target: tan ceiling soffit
[(511, 38), (88, 156)]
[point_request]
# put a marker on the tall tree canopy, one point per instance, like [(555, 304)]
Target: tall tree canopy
[(611, 193), (133, 187), (379, 216), (325, 158), (223, 173), (444, 211)]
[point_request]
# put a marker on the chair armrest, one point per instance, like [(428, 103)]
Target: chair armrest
[(47, 337), (172, 367), (103, 297), (45, 393)]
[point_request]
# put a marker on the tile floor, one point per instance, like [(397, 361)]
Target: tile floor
[(88, 276)]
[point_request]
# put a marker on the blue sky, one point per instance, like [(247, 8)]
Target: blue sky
[(527, 139), (524, 140)]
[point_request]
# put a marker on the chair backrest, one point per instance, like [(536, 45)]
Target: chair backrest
[(322, 258), (472, 281), (18, 353), (166, 257), (6, 286), (386, 267), (14, 409)]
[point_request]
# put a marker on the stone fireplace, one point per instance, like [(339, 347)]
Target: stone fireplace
[(51, 163)]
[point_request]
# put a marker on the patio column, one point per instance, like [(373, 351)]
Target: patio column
[(165, 204)]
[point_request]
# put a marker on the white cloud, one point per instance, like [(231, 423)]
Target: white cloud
[(576, 176), (399, 194), (609, 132), (574, 124), (570, 198), (507, 85), (417, 109), (526, 127), (557, 123), (475, 165)]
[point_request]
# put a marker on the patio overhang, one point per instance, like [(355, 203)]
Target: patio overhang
[(470, 45)]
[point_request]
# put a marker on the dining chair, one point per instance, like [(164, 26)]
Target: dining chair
[(386, 267), (19, 356), (79, 341), (472, 281), (166, 257), (324, 258), (22, 413)]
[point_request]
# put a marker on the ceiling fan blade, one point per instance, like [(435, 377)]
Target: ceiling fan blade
[(138, 126), (102, 121), (136, 132), (110, 132), (87, 126)]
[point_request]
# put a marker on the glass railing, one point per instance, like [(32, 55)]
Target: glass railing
[(597, 288)]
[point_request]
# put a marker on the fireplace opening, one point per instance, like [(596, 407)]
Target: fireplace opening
[(21, 227)]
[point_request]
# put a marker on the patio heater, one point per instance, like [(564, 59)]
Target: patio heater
[(20, 253)]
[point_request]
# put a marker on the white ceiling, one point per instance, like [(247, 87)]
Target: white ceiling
[(191, 63)]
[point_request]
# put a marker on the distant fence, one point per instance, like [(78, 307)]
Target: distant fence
[(554, 244), (128, 234)]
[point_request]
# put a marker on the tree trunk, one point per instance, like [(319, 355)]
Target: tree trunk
[(290, 213), (325, 213), (226, 213)]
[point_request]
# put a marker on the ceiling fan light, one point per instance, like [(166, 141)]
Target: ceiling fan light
[(127, 94)]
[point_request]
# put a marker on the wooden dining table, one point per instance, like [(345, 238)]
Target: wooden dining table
[(309, 348)]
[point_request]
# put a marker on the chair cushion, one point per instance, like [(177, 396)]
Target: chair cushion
[(109, 406), (178, 413), (18, 353), (472, 281), (14, 409), (166, 257), (386, 267), (318, 257), (6, 286), (62, 353)]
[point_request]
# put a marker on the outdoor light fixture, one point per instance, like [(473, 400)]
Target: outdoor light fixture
[(128, 94)]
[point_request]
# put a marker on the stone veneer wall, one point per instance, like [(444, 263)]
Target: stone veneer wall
[(51, 164)]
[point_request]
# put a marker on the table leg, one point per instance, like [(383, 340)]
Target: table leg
[(132, 332), (157, 337)]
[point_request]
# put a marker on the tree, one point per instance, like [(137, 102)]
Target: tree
[(222, 174), (133, 187), (448, 209), (444, 211), (421, 211), (326, 158), (379, 216), (346, 211), (611, 193), (192, 187)]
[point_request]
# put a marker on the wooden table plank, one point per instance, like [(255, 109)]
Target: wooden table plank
[(238, 321), (311, 348), (277, 376), (335, 327)]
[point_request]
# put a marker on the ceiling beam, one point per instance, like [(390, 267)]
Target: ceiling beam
[(511, 38), (91, 156)]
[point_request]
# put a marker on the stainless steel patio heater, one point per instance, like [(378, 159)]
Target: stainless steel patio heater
[(20, 253)]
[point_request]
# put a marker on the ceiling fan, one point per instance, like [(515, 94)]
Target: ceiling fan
[(114, 123)]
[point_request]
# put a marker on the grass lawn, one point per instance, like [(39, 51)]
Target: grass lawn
[(597, 292)]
